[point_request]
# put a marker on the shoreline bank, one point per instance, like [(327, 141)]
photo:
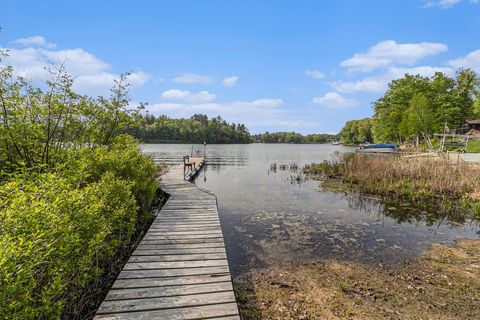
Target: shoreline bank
[(339, 290)]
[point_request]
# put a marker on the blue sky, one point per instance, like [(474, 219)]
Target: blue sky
[(305, 66)]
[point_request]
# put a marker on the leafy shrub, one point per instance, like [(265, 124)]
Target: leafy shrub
[(60, 230), (122, 158)]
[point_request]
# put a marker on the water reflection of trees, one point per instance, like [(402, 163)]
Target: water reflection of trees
[(428, 213)]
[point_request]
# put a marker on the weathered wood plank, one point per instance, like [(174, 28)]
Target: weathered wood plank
[(178, 257), (176, 231), (188, 234), (191, 216), (176, 246), (159, 273), (184, 227), (179, 241), (169, 281), (179, 252), (159, 223), (157, 292), (162, 236), (217, 311), (174, 264), (165, 302)]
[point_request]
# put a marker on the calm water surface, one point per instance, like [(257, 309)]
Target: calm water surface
[(269, 216)]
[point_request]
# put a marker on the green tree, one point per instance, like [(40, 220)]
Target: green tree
[(357, 131), (449, 100), (418, 119)]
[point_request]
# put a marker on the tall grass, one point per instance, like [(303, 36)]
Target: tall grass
[(412, 178)]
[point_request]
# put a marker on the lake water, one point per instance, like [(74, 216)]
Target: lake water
[(270, 215)]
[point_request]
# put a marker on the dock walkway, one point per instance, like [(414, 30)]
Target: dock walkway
[(180, 269)]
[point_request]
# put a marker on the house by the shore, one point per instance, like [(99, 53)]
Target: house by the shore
[(471, 125)]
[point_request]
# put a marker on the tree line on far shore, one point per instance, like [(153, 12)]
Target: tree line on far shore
[(417, 107), (292, 137), (199, 128)]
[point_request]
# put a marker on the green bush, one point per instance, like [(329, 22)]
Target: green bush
[(60, 230), (122, 158)]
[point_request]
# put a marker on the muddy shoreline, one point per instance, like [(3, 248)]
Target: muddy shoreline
[(444, 283)]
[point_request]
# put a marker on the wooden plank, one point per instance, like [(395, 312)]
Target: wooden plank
[(196, 213), (191, 216), (159, 223), (169, 281), (157, 292), (184, 241), (178, 257), (192, 210), (184, 227), (165, 302), (189, 200), (186, 234), (145, 251), (161, 273), (170, 226), (187, 220), (184, 207), (150, 246), (180, 251), (164, 236), (216, 312), (174, 265)]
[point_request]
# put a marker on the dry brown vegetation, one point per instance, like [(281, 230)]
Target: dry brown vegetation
[(416, 179), (443, 284)]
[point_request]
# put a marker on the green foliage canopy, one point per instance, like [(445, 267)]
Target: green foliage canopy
[(198, 129), (292, 137), (415, 105), (357, 131)]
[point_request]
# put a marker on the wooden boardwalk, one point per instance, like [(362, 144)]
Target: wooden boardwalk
[(180, 269)]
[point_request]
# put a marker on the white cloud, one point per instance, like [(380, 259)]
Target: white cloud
[(267, 102), (389, 53), (370, 84), (185, 95), (100, 83), (191, 78), (175, 94), (315, 74), (444, 4), (34, 41), (230, 81), (256, 113), (91, 75), (334, 100), (471, 60), (379, 83)]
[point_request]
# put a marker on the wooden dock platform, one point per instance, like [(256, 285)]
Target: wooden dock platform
[(180, 269), (190, 174)]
